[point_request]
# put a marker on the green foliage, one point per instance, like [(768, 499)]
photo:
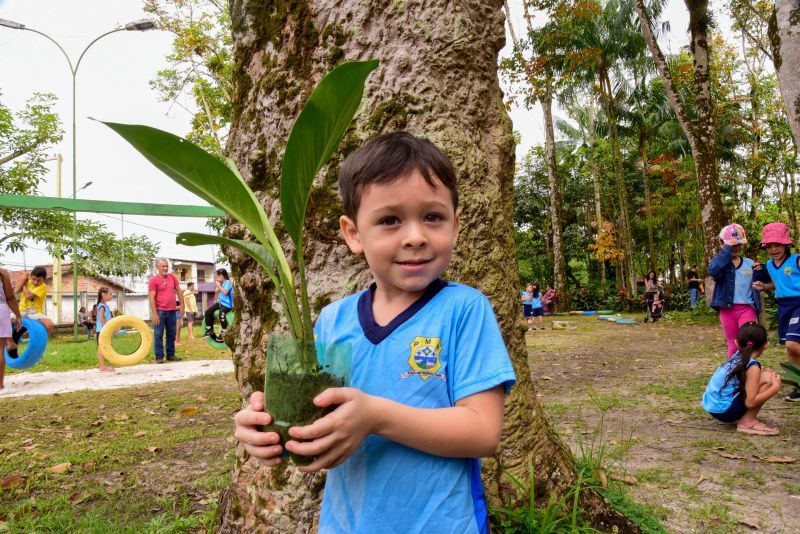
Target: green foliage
[(555, 516), (26, 137), (201, 66), (314, 137), (791, 373)]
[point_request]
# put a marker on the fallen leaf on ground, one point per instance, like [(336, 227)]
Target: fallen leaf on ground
[(777, 459), (546, 378), (60, 468), (700, 480), (200, 398), (77, 497), (752, 523), (189, 411), (626, 479), (673, 421), (152, 449), (140, 434), (12, 481), (602, 479), (731, 456)]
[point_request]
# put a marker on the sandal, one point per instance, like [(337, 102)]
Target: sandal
[(756, 428), (107, 370)]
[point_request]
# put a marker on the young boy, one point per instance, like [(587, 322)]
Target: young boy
[(34, 293), (224, 291), (430, 368)]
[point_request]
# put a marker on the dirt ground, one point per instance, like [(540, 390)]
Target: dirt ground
[(628, 396)]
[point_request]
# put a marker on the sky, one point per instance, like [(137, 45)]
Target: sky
[(112, 85)]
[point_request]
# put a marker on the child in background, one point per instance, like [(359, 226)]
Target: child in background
[(526, 297), (8, 304), (739, 387), (536, 308), (190, 305), (734, 296), (34, 293), (412, 426), (83, 318), (224, 303), (103, 316), (782, 276)]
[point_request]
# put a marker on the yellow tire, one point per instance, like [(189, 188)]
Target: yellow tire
[(104, 342)]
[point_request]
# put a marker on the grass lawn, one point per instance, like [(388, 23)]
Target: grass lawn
[(146, 459), (67, 354)]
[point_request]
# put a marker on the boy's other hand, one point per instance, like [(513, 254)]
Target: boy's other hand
[(333, 438), (247, 423), (758, 285), (757, 266)]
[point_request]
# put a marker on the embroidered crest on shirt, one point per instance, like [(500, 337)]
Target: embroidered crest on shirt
[(787, 270), (424, 359)]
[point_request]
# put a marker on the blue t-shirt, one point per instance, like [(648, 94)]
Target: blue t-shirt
[(444, 347), (743, 288), (536, 302), (719, 396), (103, 316), (786, 277), (226, 300), (527, 298)]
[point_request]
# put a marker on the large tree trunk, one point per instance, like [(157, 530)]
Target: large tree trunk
[(559, 263), (784, 35), (437, 78), (598, 207), (701, 131)]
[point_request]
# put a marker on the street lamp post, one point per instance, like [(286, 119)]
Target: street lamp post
[(137, 25)]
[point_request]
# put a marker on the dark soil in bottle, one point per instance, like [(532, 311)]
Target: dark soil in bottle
[(289, 401)]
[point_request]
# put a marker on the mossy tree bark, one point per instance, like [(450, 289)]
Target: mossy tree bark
[(784, 35), (437, 78)]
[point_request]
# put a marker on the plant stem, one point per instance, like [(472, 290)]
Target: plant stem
[(308, 338)]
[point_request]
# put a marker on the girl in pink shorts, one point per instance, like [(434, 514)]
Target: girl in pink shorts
[(738, 303)]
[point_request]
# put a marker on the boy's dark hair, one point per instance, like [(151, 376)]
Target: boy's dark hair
[(390, 157), (190, 284), (39, 272), (752, 336), (223, 273)]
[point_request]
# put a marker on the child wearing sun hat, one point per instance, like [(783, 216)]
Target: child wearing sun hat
[(782, 275), (734, 296)]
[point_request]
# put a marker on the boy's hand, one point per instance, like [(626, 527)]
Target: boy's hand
[(259, 444), (757, 266), (336, 436), (758, 285)]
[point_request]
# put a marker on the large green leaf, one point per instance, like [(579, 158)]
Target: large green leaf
[(315, 136), (198, 171), (791, 373)]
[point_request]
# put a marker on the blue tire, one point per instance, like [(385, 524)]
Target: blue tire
[(214, 343), (37, 342), (589, 313)]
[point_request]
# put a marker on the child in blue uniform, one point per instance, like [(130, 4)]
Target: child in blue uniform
[(429, 367), (782, 276), (739, 387), (526, 297)]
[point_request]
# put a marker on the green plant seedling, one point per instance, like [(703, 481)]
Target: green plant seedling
[(315, 136)]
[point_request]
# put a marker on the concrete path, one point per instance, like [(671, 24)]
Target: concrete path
[(49, 382)]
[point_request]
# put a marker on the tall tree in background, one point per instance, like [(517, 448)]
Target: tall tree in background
[(541, 79), (698, 127), (437, 79)]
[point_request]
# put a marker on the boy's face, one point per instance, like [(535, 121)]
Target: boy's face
[(407, 231), (36, 280), (220, 278)]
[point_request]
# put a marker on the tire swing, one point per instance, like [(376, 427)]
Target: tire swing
[(121, 360), (219, 345), (37, 342)]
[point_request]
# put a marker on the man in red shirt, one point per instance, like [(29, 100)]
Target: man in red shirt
[(164, 290)]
